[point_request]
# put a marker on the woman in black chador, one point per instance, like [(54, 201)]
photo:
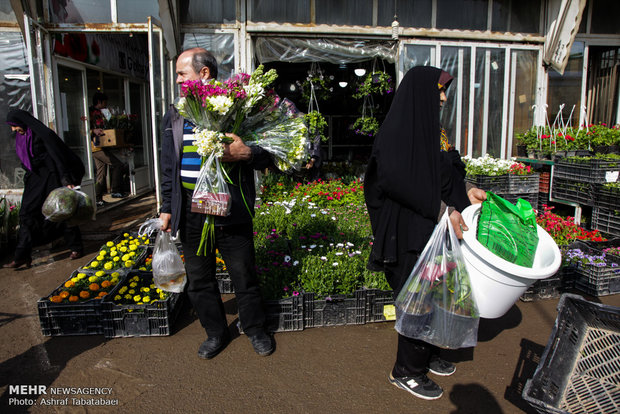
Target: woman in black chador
[(49, 164), (409, 174)]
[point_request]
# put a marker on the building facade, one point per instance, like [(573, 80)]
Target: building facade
[(57, 53)]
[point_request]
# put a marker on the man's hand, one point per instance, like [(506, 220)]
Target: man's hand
[(99, 132), (165, 221), (310, 163), (476, 195), (236, 150), (458, 224)]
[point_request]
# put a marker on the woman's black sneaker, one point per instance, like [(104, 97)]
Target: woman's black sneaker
[(441, 367), (420, 385)]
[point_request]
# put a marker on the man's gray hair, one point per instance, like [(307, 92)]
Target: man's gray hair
[(202, 58)]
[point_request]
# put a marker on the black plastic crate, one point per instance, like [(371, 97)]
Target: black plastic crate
[(579, 371), (224, 283), (153, 319), (604, 171), (67, 319), (573, 169), (543, 200), (606, 220), (286, 315), (607, 198), (376, 301), (567, 189), (551, 287), (523, 183), (336, 310), (595, 280), (494, 184)]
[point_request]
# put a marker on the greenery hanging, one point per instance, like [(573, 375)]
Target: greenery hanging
[(316, 124), (377, 83)]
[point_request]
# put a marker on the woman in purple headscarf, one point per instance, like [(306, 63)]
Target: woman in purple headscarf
[(49, 164)]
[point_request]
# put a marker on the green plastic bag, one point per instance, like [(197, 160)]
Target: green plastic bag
[(508, 230)]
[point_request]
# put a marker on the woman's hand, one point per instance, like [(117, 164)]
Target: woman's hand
[(476, 195), (458, 224)]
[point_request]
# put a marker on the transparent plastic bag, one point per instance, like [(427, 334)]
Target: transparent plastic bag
[(211, 195), (68, 204), (436, 304), (168, 267)]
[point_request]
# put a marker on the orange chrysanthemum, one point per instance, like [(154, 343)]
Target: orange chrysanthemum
[(56, 299), (73, 298), (64, 294), (84, 294), (69, 284), (106, 284), (102, 294), (93, 286)]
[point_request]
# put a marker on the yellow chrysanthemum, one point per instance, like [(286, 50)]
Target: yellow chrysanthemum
[(116, 259), (146, 299), (108, 266), (131, 291), (81, 275), (109, 244), (125, 234), (137, 298), (100, 258), (118, 297), (128, 263), (74, 279), (102, 253), (123, 249), (100, 273), (94, 263), (127, 296), (133, 247), (122, 290), (113, 253), (145, 289), (93, 279)]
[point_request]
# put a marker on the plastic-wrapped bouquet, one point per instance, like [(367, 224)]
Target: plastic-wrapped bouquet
[(246, 106)]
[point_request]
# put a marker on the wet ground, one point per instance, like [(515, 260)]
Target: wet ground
[(319, 370)]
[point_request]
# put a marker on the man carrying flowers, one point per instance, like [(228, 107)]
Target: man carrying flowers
[(232, 234)]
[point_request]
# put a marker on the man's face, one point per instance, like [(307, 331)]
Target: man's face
[(185, 70)]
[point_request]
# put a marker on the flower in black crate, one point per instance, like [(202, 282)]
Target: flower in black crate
[(139, 290), (82, 287)]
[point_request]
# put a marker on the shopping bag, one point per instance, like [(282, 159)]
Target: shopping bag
[(67, 204), (168, 267), (436, 304), (211, 195), (508, 230)]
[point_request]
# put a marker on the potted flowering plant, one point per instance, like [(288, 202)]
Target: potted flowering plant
[(375, 83), (316, 124), (366, 125)]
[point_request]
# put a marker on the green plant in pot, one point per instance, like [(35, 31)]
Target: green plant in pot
[(316, 124), (366, 125), (377, 83)]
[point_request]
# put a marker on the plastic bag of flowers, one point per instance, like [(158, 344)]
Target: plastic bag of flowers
[(436, 304), (64, 203)]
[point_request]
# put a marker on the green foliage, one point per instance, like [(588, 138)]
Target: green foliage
[(375, 83), (316, 123), (366, 125)]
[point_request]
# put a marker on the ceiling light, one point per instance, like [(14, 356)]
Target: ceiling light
[(360, 71), (343, 84)]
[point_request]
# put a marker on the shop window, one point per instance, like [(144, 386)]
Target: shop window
[(15, 85), (462, 14), (6, 11), (566, 89), (344, 12), (516, 16), (280, 11), (80, 11), (605, 17), (207, 11), (417, 13), (136, 11), (222, 45)]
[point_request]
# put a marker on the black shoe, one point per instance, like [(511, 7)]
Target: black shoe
[(75, 255), (118, 195), (441, 367), (213, 346), (262, 343), (420, 386)]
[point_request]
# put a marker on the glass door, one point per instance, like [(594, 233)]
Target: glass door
[(72, 106), (491, 97)]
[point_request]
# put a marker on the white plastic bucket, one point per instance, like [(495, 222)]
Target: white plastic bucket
[(496, 283)]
